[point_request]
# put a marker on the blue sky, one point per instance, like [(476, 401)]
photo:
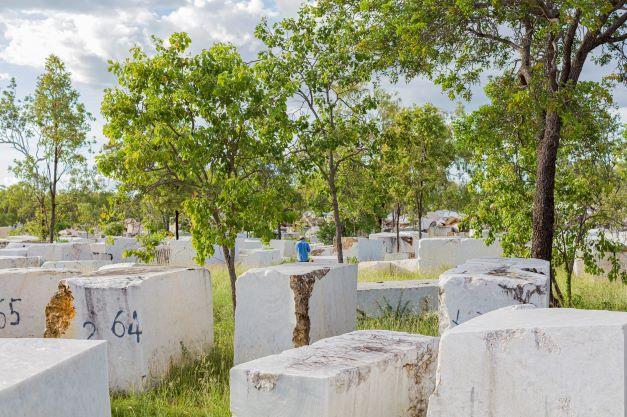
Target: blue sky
[(87, 33)]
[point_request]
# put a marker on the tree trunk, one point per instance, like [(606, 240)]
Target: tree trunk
[(229, 257), (398, 227), (420, 208), (336, 211), (176, 223), (53, 198), (278, 231)]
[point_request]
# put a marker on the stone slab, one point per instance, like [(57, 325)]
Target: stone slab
[(287, 247), (53, 378), (480, 286), (259, 258), (7, 262), (397, 298), (534, 362), (436, 254), (389, 241), (25, 292), (362, 249), (292, 305), (82, 266), (371, 373), (147, 315)]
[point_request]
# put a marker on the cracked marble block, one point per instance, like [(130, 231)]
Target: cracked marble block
[(148, 316), (371, 373), (479, 286), (376, 299), (7, 262), (82, 266), (437, 253), (292, 305), (53, 378), (24, 294), (534, 362)]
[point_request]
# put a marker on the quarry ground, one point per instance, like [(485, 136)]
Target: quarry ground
[(201, 388)]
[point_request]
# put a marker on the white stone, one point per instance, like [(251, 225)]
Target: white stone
[(397, 256), (321, 250), (182, 253), (292, 305), (379, 266), (248, 243), (113, 249), (477, 287), (7, 262), (53, 378), (376, 299), (371, 373), (172, 308), (408, 266), (534, 362), (436, 254), (362, 249), (121, 265), (285, 246), (82, 266), (390, 244), (259, 258), (25, 292), (323, 259), (60, 251)]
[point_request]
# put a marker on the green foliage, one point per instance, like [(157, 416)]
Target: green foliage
[(326, 233), (148, 245)]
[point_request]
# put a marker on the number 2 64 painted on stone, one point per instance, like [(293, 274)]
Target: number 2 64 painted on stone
[(118, 328)]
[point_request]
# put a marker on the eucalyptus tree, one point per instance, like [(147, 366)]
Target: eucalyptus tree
[(314, 57), (209, 124)]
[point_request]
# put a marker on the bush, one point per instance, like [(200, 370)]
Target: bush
[(326, 234)]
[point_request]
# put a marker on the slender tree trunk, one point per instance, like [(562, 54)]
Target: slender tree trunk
[(336, 210), (53, 198), (176, 223), (398, 227), (278, 231), (229, 257), (420, 208)]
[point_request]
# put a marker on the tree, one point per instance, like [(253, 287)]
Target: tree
[(208, 123), (545, 43), (416, 154), (314, 57), (500, 142), (50, 130)]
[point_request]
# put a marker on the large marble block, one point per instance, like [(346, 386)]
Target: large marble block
[(24, 294), (82, 266), (7, 262), (113, 249), (259, 258), (286, 247), (376, 299), (182, 253), (292, 305), (362, 249), (435, 254), (372, 373), (534, 362), (53, 378), (60, 251), (480, 286), (148, 316), (390, 244)]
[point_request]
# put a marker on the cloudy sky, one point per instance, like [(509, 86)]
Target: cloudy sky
[(88, 33)]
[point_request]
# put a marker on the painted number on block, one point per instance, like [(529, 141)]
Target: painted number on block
[(13, 314), (118, 328)]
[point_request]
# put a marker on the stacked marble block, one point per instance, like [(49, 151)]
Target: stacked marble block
[(376, 299), (24, 294), (521, 362), (7, 262), (148, 315), (359, 374), (286, 247), (292, 305), (53, 378), (482, 285), (362, 249), (50, 251), (82, 266), (435, 254)]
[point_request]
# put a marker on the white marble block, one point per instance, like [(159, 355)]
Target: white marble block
[(292, 305), (374, 373), (146, 314), (363, 249), (285, 246), (390, 244), (60, 251), (7, 262), (53, 378), (82, 266), (534, 362), (24, 294), (436, 254), (259, 258), (376, 299), (182, 253), (480, 286), (113, 249)]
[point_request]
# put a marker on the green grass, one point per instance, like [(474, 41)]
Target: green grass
[(201, 388), (370, 275)]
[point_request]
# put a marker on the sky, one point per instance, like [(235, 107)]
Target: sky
[(86, 34)]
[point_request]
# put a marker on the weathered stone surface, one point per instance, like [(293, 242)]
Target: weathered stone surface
[(371, 373), (246, 243), (51, 251), (389, 241), (147, 315), (82, 266), (121, 265), (435, 254), (286, 247), (292, 305), (259, 258), (182, 253), (113, 249), (363, 249), (480, 286), (533, 362), (7, 262), (24, 294), (375, 299), (53, 378)]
